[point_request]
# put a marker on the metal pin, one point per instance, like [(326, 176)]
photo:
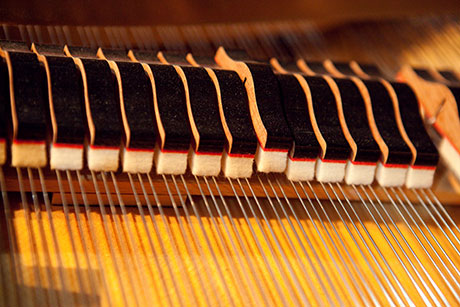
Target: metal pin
[(68, 37), (38, 32)]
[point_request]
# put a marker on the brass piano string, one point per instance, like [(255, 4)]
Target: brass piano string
[(150, 241), (381, 271), (187, 241), (77, 212), (453, 278), (310, 245), (256, 275), (294, 231), (330, 237), (441, 218), (200, 43), (423, 234), (177, 258), (337, 269), (172, 42), (105, 224), (132, 243), (414, 255), (416, 285), (256, 278), (133, 271), (317, 45), (72, 241), (275, 239), (285, 232), (424, 205), (42, 235), (219, 234), (391, 271), (243, 294), (161, 243), (42, 296), (269, 39), (205, 236), (46, 199), (334, 244), (419, 229), (249, 44), (443, 210), (93, 238), (281, 294), (16, 271), (351, 235)]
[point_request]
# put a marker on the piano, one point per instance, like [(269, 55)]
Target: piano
[(229, 155)]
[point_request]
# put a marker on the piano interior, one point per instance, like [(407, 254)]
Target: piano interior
[(205, 153)]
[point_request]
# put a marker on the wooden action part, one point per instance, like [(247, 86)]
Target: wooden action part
[(264, 100), (353, 118), (4, 99), (235, 115), (233, 107), (450, 76), (306, 146), (137, 110), (325, 120), (426, 153), (383, 125), (66, 102), (46, 49), (101, 103), (27, 96), (203, 110), (170, 108)]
